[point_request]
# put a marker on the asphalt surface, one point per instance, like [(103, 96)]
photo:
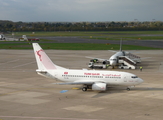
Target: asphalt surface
[(147, 43), (24, 95)]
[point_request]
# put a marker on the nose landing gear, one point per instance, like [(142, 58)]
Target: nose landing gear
[(129, 88)]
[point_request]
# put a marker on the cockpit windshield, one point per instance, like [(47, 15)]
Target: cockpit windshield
[(134, 76), (113, 59)]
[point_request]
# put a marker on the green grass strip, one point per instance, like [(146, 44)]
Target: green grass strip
[(88, 33), (74, 46)]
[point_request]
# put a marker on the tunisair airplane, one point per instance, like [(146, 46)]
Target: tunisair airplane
[(90, 79)]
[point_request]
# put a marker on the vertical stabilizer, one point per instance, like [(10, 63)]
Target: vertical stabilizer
[(43, 61), (121, 44)]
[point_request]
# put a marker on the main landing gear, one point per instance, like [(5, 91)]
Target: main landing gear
[(84, 89), (128, 89)]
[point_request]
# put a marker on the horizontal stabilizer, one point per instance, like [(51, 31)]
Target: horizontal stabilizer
[(41, 71)]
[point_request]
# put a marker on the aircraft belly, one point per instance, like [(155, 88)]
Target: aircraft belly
[(129, 83), (113, 82)]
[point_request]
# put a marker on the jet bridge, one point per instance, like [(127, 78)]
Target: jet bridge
[(126, 63)]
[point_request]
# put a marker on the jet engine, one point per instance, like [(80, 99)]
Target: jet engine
[(105, 62), (99, 86)]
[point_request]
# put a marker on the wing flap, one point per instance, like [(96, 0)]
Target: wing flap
[(79, 83), (74, 83)]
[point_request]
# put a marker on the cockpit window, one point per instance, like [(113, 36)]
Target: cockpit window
[(113, 59), (134, 76)]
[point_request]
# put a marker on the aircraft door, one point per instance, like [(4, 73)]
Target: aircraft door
[(117, 60), (125, 79)]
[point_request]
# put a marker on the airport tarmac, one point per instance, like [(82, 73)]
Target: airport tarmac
[(24, 95)]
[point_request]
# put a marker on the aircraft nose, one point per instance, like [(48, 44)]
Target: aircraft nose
[(112, 63), (141, 80)]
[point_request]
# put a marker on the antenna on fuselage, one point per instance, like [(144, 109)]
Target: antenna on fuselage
[(121, 44)]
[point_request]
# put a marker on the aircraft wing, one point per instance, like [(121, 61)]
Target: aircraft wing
[(79, 83), (112, 51), (146, 57), (74, 83)]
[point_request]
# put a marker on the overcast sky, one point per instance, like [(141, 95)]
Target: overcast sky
[(81, 10)]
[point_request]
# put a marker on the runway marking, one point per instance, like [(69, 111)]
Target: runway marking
[(23, 65), (84, 108), (9, 61), (52, 118), (5, 84), (75, 88)]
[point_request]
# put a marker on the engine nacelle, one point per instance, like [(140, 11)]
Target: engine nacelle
[(99, 86), (105, 62)]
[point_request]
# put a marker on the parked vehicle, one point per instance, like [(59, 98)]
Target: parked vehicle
[(2, 37), (97, 65)]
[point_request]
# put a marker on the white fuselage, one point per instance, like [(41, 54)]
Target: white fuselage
[(97, 80), (114, 58), (108, 77)]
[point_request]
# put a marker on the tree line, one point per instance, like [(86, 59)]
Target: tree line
[(9, 26)]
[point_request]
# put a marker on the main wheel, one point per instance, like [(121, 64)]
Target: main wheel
[(128, 89), (84, 89)]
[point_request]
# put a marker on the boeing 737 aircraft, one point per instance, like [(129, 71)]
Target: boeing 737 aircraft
[(114, 59), (90, 79)]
